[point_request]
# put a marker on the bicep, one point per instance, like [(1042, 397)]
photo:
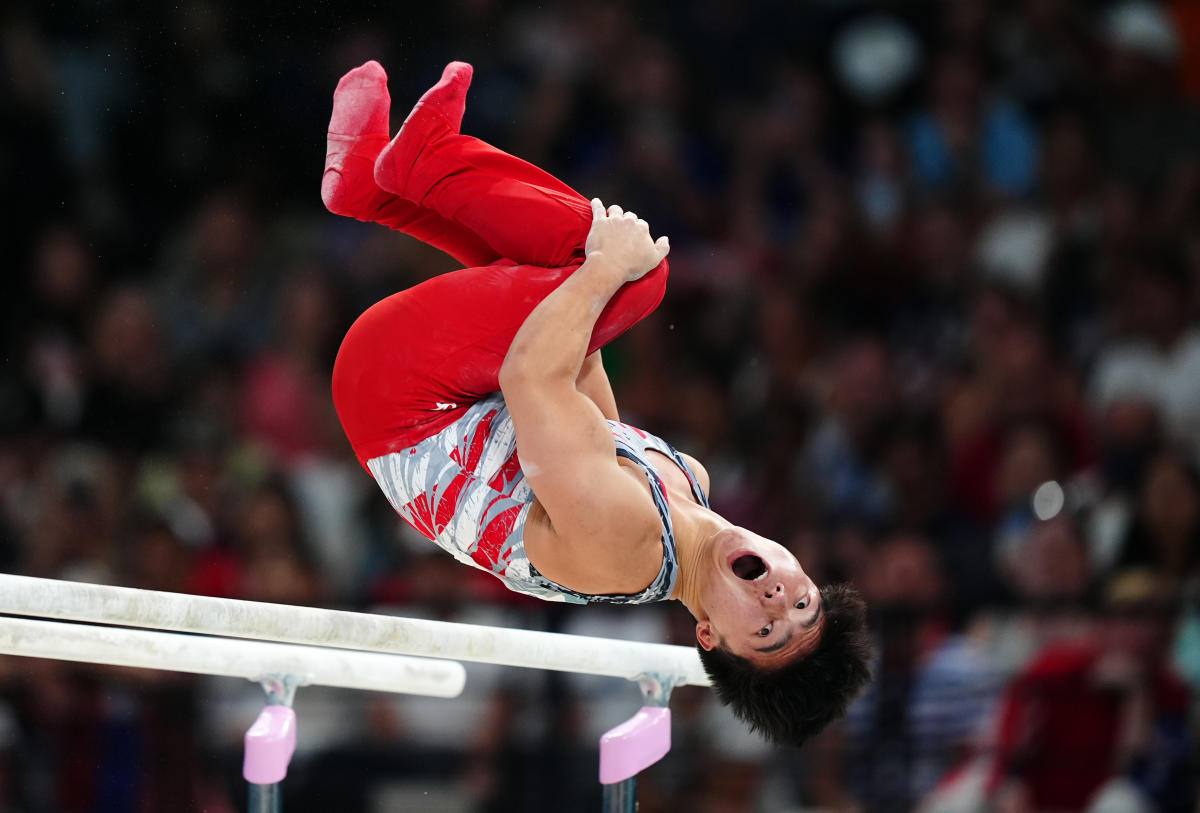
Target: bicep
[(567, 453)]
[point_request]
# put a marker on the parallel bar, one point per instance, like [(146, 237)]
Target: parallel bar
[(230, 657), (23, 595)]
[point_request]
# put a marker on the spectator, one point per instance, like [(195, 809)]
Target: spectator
[(1157, 353), (1049, 583), (1129, 432), (934, 690), (838, 459), (130, 386), (1082, 716), (966, 142), (218, 287), (1017, 384), (1164, 535), (284, 401)]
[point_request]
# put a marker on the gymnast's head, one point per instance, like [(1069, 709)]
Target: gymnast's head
[(786, 656)]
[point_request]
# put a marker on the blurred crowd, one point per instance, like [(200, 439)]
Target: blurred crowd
[(932, 324)]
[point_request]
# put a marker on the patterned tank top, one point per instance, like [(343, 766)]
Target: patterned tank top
[(463, 488)]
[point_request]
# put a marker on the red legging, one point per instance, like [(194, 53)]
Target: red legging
[(415, 361)]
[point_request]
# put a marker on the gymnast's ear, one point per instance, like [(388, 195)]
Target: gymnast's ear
[(705, 635)]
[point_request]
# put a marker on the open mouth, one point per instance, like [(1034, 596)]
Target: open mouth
[(749, 567)]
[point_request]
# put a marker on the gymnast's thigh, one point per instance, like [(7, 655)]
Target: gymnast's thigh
[(412, 363)]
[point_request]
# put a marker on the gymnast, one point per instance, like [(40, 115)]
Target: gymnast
[(478, 402)]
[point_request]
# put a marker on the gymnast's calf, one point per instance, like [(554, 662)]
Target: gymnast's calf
[(478, 402)]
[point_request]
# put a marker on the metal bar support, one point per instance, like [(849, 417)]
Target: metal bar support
[(621, 797), (270, 743), (637, 743)]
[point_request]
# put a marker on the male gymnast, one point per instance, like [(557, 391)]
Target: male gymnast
[(478, 402)]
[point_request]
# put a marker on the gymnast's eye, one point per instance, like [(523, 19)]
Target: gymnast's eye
[(802, 603), (765, 631)]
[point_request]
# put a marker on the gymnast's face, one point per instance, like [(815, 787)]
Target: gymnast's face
[(757, 601)]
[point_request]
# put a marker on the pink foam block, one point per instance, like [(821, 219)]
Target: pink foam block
[(270, 743), (635, 744)]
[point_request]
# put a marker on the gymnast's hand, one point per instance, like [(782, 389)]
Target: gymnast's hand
[(624, 241)]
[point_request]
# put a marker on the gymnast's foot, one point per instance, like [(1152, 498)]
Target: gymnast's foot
[(439, 112), (358, 132)]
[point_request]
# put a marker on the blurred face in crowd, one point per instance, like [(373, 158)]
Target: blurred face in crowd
[(992, 318), (1067, 160), (863, 388), (824, 234), (1140, 632), (1129, 430), (1170, 504), (308, 316), (161, 562), (796, 116), (758, 603), (64, 272), (1153, 306), (913, 464), (1023, 368), (1028, 461), (267, 524), (880, 148), (956, 86), (1052, 564), (127, 341), (904, 572), (966, 21), (276, 562), (943, 245), (225, 233), (1010, 350), (1139, 618), (1120, 214)]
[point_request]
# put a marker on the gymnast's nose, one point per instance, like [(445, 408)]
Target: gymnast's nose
[(774, 592)]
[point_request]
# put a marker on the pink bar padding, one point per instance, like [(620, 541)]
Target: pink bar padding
[(270, 743), (635, 744)]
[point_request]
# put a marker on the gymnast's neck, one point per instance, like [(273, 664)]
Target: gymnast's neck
[(695, 529)]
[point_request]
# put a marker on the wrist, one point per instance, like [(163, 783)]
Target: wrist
[(605, 267)]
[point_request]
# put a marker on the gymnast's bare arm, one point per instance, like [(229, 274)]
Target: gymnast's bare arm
[(593, 382), (593, 527)]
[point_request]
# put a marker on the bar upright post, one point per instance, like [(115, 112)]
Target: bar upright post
[(270, 743), (635, 745)]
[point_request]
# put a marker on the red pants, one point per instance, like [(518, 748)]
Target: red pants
[(413, 363)]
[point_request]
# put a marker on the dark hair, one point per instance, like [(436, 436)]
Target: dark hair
[(790, 704)]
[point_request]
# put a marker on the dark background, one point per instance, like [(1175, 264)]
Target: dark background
[(931, 324)]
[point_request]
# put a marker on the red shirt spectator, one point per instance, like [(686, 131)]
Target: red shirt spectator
[(1062, 725)]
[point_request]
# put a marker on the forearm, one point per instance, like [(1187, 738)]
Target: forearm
[(553, 341), (593, 382)]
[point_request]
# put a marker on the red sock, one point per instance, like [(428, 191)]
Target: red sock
[(358, 132), (439, 111), (448, 98)]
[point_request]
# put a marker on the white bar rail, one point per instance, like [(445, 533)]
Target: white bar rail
[(75, 601), (253, 660)]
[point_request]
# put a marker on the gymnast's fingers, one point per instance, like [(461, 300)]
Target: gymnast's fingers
[(597, 209), (615, 211), (645, 226), (664, 247)]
